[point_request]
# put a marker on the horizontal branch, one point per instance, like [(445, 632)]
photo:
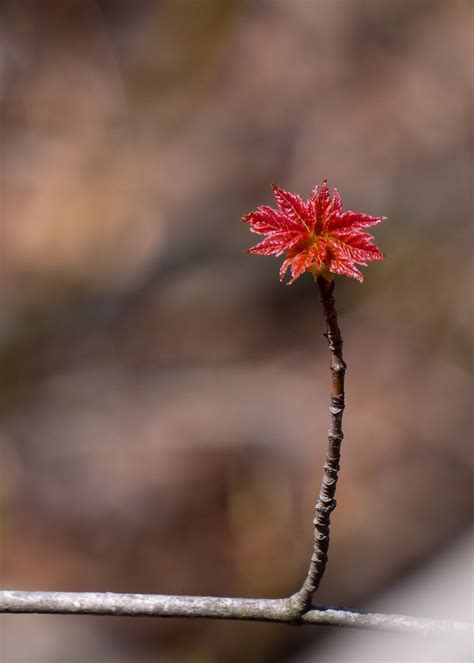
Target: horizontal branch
[(263, 610)]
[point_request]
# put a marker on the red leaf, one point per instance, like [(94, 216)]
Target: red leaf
[(292, 206), (276, 243), (339, 264), (354, 220), (265, 219), (321, 202), (336, 205), (317, 235), (300, 263)]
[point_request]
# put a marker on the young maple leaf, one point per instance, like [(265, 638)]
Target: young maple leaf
[(317, 235)]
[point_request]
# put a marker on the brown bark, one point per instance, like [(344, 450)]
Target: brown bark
[(326, 502)]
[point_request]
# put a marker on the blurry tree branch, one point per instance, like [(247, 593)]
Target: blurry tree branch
[(285, 611)]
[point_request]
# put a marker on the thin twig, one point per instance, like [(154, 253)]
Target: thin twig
[(262, 610), (326, 500)]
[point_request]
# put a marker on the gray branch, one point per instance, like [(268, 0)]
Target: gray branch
[(285, 611)]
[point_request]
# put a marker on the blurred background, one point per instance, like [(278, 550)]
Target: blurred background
[(163, 397)]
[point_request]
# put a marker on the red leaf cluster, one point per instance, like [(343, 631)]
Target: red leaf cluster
[(317, 235)]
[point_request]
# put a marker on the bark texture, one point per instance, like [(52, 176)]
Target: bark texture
[(326, 502), (284, 611)]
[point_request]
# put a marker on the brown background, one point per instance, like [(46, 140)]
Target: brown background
[(163, 396)]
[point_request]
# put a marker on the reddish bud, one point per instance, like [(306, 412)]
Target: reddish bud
[(317, 235)]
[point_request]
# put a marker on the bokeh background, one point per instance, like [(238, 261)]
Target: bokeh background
[(163, 397)]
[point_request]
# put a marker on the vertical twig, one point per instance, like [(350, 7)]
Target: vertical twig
[(326, 500)]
